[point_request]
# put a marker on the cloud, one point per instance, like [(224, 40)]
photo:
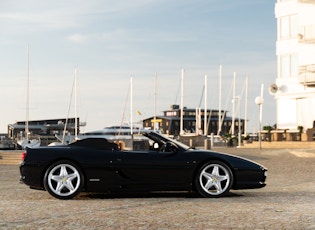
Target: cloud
[(77, 38), (134, 36)]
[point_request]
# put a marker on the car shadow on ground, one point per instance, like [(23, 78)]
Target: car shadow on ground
[(84, 196)]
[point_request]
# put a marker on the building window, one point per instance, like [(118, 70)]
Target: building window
[(171, 113), (289, 66), (288, 27)]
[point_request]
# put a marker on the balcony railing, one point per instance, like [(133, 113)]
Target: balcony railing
[(307, 1), (307, 34), (307, 75)]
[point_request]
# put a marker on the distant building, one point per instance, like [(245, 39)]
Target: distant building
[(193, 122), (294, 89), (45, 129)]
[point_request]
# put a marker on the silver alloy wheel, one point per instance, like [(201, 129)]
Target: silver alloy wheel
[(215, 179), (64, 180)]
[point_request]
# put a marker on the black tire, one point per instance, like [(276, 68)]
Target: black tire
[(63, 180), (214, 179)]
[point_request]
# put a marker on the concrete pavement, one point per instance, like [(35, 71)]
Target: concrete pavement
[(287, 202)]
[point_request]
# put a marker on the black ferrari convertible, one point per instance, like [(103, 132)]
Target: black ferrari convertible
[(152, 162)]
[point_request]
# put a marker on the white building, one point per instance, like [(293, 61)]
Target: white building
[(294, 89)]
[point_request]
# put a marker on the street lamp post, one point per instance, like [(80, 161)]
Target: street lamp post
[(259, 101)]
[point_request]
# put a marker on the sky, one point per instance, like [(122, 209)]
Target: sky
[(111, 41)]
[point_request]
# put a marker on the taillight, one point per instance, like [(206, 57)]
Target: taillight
[(24, 155)]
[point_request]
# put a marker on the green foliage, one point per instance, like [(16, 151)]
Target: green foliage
[(247, 137), (268, 128), (300, 128)]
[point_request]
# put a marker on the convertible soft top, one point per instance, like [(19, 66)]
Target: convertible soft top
[(97, 143)]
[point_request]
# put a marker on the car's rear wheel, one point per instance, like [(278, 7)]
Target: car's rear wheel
[(214, 179), (63, 180)]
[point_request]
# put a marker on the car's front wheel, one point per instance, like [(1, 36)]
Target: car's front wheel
[(214, 179), (63, 180)]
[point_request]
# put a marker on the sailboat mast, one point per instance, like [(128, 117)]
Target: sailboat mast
[(205, 114), (220, 99), (182, 105), (154, 124), (75, 104), (27, 94), (246, 105), (233, 104), (131, 110)]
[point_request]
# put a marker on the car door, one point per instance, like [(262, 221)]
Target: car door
[(151, 168), (99, 167)]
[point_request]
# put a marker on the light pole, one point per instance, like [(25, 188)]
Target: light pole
[(259, 101)]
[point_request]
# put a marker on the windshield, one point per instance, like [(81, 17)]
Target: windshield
[(178, 143), (164, 138)]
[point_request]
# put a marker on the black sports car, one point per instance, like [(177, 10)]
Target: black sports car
[(150, 163)]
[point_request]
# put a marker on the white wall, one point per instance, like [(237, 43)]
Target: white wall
[(295, 102)]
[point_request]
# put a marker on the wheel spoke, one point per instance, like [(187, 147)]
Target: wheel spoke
[(209, 181), (59, 187), (217, 185), (70, 178), (221, 178), (209, 184), (56, 178), (215, 171), (69, 186), (63, 171), (206, 175)]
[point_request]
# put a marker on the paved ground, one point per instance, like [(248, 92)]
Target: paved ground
[(288, 202)]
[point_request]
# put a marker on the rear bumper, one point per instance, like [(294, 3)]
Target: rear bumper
[(31, 175)]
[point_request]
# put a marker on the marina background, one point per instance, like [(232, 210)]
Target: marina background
[(110, 41)]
